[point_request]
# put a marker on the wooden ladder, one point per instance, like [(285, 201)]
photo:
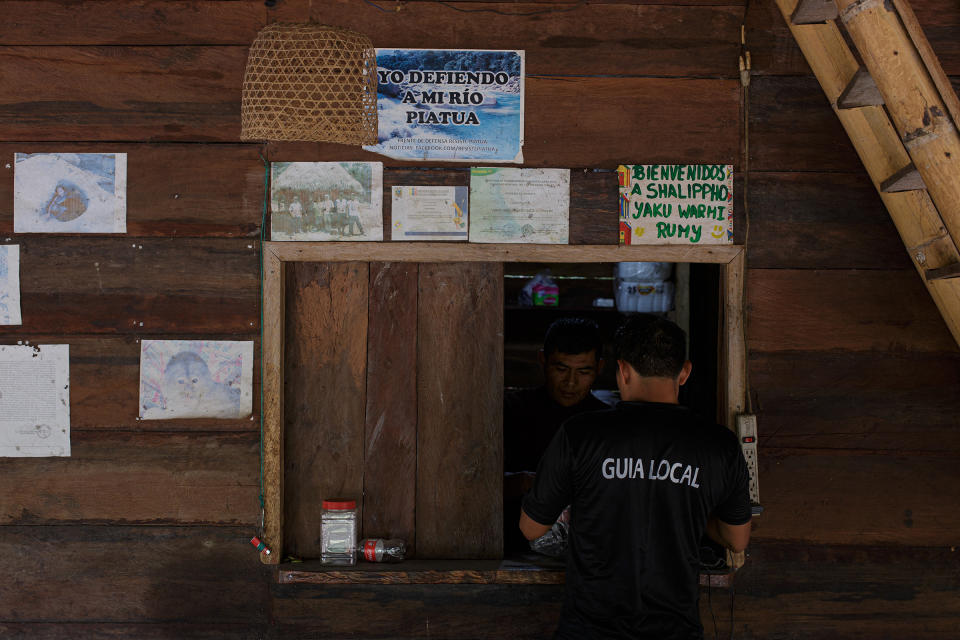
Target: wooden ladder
[(901, 114)]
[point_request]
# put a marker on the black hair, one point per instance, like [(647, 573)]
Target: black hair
[(573, 336), (654, 346)]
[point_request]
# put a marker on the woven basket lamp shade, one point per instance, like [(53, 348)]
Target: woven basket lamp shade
[(310, 82)]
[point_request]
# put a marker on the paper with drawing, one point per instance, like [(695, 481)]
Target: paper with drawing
[(70, 193), (195, 379)]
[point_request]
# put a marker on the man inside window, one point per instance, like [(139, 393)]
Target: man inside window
[(644, 480), (571, 358)]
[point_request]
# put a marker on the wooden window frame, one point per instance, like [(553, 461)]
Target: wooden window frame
[(732, 348)]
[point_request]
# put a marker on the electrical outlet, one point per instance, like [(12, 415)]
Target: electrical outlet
[(747, 432)]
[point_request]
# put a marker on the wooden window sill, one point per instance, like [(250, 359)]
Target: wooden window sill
[(525, 570)]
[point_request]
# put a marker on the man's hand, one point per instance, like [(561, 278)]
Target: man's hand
[(733, 536), (530, 528)]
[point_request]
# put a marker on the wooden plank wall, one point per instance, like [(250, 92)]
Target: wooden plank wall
[(853, 373), (393, 397), (142, 533)]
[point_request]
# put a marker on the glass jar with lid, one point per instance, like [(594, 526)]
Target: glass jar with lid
[(338, 532)]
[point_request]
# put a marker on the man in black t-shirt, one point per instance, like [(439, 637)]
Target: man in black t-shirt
[(644, 480), (571, 358)]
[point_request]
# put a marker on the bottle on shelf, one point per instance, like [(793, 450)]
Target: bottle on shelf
[(338, 531), (382, 550)]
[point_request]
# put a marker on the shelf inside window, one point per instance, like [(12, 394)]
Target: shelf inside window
[(525, 569)]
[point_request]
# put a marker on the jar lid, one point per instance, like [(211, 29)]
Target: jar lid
[(339, 503)]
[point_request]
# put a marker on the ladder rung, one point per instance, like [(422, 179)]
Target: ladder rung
[(943, 273), (862, 91), (814, 11), (907, 179)]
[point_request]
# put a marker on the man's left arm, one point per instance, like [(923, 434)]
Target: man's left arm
[(732, 536), (532, 529), (731, 521), (552, 489)]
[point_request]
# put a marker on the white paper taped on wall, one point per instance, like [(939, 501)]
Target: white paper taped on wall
[(10, 284), (70, 193), (35, 400), (195, 379)]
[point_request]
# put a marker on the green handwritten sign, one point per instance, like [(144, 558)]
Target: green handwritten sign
[(676, 203)]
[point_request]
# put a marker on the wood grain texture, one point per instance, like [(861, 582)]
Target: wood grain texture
[(166, 575), (418, 611), (732, 356), (665, 39), (834, 497), (325, 378), (137, 22), (116, 94), (390, 430), (603, 121), (859, 592), (594, 207), (774, 51), (179, 190), (466, 252), (889, 401), (793, 128), (105, 384), (137, 478), (137, 286), (460, 407), (939, 20), (815, 310), (426, 572), (540, 571), (820, 221), (141, 631), (271, 436), (621, 39)]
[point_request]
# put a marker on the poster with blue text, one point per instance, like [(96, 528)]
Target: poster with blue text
[(676, 203), (456, 105)]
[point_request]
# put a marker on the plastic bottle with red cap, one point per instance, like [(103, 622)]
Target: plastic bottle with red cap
[(338, 531), (382, 550)]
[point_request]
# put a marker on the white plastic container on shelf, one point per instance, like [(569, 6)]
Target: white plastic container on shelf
[(644, 297), (643, 271)]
